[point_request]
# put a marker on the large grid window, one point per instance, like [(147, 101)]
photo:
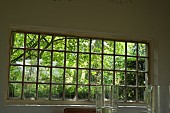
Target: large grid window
[(61, 67)]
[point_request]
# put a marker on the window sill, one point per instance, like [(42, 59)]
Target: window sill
[(66, 103)]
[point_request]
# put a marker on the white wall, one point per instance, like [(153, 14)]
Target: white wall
[(149, 19)]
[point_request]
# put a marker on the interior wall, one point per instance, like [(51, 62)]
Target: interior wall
[(143, 19)]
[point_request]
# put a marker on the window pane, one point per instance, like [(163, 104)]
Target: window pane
[(131, 78), (84, 45), (96, 46), (45, 58), (30, 74), (57, 92), (31, 57), (93, 76), (96, 61), (108, 62), (57, 75), (83, 76), (17, 56), (31, 41), (83, 92), (44, 75), (43, 91), (141, 92), (59, 43), (83, 60), (131, 63), (58, 59), (109, 47), (17, 40), (120, 62), (108, 77), (119, 78), (16, 73), (71, 44), (141, 79), (70, 76), (142, 64), (92, 93), (121, 93), (30, 91), (142, 49), (46, 42), (70, 92), (131, 93), (71, 59), (15, 90), (120, 48), (131, 48)]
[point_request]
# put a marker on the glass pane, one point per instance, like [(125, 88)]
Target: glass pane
[(83, 60), (44, 75), (71, 44), (119, 78), (96, 46), (16, 73), (59, 43), (108, 47), (96, 61), (70, 76), (17, 56), (31, 57), (84, 45), (45, 58), (32, 41), (120, 62), (83, 92), (108, 77), (58, 58), (43, 91), (30, 91), (17, 40), (120, 48), (121, 93), (141, 92), (46, 42), (131, 94), (57, 75), (95, 76), (70, 91), (92, 93), (132, 49), (131, 63), (108, 62), (57, 92), (143, 64), (15, 90), (30, 74), (83, 76), (142, 49), (141, 79), (71, 59), (131, 78)]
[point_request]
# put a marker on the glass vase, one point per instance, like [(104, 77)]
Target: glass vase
[(107, 99)]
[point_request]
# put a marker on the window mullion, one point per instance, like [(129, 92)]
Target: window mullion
[(65, 47), (23, 72)]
